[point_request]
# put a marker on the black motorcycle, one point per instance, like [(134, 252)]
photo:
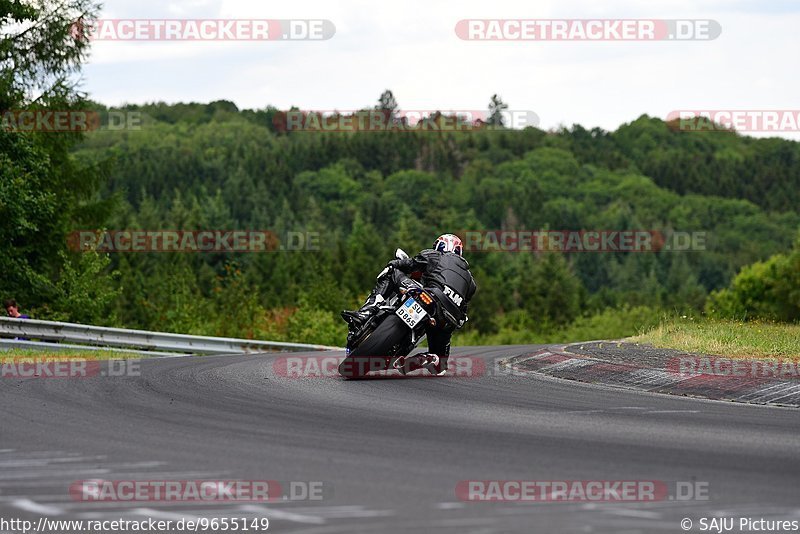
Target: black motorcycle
[(384, 340)]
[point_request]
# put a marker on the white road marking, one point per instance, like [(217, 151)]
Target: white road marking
[(788, 391), (32, 506), (465, 522), (163, 514), (572, 363), (671, 411), (50, 474), (275, 513), (354, 512), (627, 512), (648, 412), (761, 392), (655, 378), (450, 505)]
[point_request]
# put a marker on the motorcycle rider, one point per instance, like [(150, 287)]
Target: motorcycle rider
[(445, 274)]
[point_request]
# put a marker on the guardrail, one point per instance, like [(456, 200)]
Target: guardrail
[(81, 336)]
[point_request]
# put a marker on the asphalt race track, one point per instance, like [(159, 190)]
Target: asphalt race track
[(389, 452)]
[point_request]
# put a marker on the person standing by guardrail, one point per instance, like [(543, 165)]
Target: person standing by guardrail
[(12, 309)]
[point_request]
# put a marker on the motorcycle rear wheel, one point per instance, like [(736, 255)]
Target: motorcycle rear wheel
[(373, 353)]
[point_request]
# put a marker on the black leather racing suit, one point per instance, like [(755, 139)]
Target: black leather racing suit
[(448, 277)]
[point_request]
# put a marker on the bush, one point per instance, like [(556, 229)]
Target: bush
[(312, 325), (84, 291), (764, 290)]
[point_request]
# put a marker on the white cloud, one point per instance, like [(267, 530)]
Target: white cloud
[(411, 47)]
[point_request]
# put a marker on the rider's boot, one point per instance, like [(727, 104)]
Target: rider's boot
[(357, 318), (435, 365), (425, 360), (400, 364)]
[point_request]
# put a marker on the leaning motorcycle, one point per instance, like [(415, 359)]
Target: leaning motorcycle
[(395, 330)]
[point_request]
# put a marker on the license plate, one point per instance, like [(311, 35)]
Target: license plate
[(411, 312)]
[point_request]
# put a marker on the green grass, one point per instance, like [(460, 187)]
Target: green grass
[(38, 354), (725, 338), (521, 329)]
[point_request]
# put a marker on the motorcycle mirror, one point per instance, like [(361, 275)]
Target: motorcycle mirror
[(400, 254)]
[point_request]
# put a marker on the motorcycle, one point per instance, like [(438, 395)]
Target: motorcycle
[(383, 341)]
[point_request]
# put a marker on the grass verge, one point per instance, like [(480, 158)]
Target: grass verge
[(13, 355), (725, 338), (521, 329)]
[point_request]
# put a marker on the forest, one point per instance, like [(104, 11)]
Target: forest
[(195, 167), (354, 195)]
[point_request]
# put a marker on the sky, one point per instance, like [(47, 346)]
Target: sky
[(411, 47)]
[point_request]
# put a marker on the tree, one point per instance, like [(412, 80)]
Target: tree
[(549, 291), (387, 103), (42, 46), (45, 193), (496, 109)]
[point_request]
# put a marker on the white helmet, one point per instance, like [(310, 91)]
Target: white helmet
[(449, 243)]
